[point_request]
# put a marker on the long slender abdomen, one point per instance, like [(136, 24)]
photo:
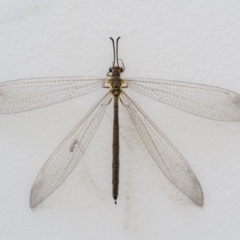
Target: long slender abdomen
[(115, 159)]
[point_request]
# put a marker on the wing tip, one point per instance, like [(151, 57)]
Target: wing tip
[(32, 205), (200, 202), (34, 199), (198, 198), (32, 202)]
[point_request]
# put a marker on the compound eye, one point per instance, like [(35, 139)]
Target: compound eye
[(121, 69), (110, 69)]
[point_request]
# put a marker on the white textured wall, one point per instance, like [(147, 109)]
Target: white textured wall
[(194, 41)]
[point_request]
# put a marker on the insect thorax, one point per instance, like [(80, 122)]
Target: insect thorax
[(116, 81)]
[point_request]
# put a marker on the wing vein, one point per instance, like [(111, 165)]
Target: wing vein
[(28, 94), (202, 100), (68, 154), (166, 156)]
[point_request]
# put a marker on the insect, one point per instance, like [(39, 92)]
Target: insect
[(202, 100)]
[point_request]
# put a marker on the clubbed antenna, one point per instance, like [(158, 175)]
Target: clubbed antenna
[(117, 50), (113, 52)]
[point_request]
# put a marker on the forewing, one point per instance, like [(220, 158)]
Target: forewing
[(28, 94), (68, 154), (202, 100), (167, 157)]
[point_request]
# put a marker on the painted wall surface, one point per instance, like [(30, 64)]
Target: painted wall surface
[(193, 41)]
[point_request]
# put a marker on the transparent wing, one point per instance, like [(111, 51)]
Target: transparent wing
[(168, 159), (28, 94), (202, 100), (68, 154)]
